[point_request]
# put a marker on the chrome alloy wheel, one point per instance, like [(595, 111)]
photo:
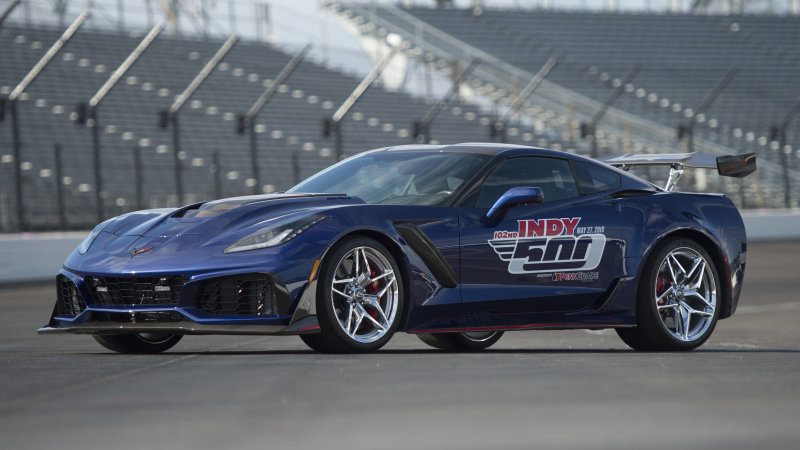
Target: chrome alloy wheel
[(685, 294), (365, 294)]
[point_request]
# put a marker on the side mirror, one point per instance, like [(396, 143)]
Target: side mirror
[(513, 197)]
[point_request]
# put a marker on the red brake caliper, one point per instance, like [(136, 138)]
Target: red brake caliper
[(373, 288), (660, 283), (375, 285)]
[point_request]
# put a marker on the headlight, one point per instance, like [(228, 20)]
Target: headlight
[(274, 234), (87, 242)]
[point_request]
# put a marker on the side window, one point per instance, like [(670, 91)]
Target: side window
[(593, 178), (552, 175)]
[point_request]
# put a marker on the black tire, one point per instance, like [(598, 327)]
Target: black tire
[(317, 342), (460, 341), (332, 338), (650, 332), (138, 343)]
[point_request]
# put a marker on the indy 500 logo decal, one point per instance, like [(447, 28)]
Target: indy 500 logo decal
[(550, 245)]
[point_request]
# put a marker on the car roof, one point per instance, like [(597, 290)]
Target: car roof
[(482, 148), (508, 150)]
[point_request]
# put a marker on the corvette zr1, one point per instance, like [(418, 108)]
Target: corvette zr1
[(454, 243)]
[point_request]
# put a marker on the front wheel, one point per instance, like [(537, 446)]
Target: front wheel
[(142, 343), (360, 298), (468, 340), (677, 306)]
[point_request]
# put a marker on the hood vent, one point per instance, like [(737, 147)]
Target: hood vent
[(206, 210)]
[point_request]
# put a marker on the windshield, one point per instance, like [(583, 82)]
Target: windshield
[(402, 178)]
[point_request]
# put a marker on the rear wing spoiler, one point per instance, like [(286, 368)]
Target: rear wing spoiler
[(738, 166)]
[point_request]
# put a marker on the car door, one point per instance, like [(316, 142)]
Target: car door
[(557, 256)]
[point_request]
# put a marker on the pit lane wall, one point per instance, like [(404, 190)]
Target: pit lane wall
[(32, 257)]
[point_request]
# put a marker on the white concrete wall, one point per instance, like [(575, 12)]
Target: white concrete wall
[(38, 256), (772, 225), (35, 256)]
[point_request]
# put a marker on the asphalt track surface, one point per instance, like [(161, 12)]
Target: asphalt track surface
[(541, 389)]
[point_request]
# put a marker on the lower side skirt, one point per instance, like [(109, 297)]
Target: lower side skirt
[(533, 326)]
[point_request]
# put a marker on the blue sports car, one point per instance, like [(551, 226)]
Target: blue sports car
[(455, 243)]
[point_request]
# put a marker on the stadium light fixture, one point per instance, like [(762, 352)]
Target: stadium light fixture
[(333, 124), (498, 128), (247, 121), (86, 113), (686, 129), (422, 127), (590, 128), (778, 134), (8, 11), (170, 116)]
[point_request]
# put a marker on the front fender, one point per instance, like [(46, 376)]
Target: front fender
[(422, 282)]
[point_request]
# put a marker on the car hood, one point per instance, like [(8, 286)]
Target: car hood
[(222, 217), (170, 239)]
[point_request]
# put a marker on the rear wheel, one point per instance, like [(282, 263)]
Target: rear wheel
[(360, 298), (138, 342), (468, 340), (677, 306)]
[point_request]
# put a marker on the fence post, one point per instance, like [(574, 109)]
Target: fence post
[(217, 172), (59, 179), (138, 181)]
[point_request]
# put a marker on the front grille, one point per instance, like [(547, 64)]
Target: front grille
[(131, 291), (238, 296), (69, 302)]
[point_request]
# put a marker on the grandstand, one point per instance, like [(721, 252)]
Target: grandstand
[(129, 120), (682, 58)]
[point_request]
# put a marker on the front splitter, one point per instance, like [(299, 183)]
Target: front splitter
[(305, 326)]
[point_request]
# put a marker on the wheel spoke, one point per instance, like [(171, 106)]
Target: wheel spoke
[(356, 271), (374, 303), (366, 263), (341, 293), (677, 263), (349, 318), (381, 276), (674, 278), (359, 313), (343, 280), (686, 320), (700, 275), (670, 306), (372, 319), (663, 294), (385, 288), (694, 294), (697, 262), (677, 319)]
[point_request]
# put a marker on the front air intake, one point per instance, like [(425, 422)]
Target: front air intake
[(69, 302), (250, 295)]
